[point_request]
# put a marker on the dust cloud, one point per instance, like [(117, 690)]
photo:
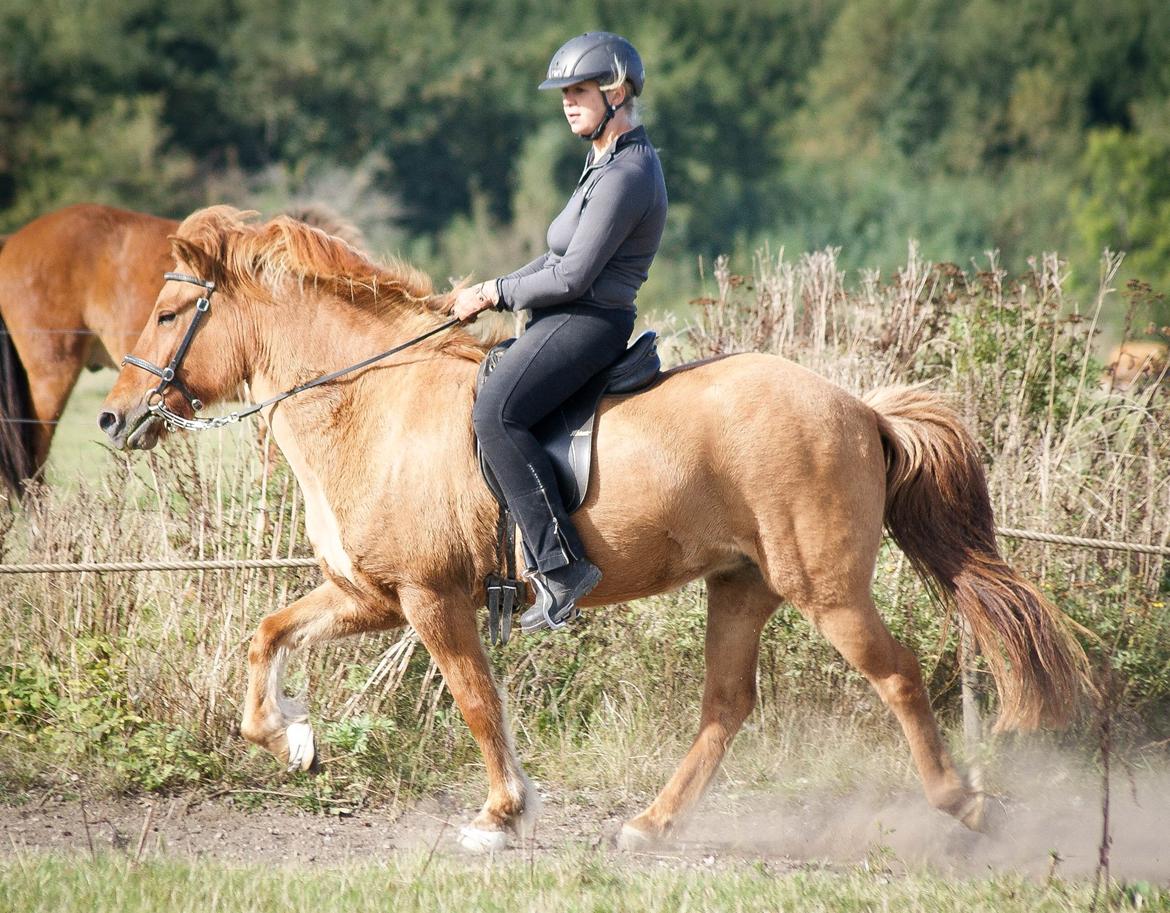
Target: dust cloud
[(1044, 816)]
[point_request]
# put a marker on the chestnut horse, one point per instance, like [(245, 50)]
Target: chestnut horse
[(76, 288), (1136, 361), (750, 472)]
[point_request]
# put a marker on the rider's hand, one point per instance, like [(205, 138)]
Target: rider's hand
[(470, 301)]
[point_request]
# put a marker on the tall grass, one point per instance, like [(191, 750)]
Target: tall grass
[(1064, 452), (133, 681)]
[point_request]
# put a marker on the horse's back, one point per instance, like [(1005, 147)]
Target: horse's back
[(728, 402), (86, 226), (1133, 361), (721, 456), (82, 266)]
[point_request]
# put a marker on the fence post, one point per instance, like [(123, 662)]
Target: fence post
[(972, 717)]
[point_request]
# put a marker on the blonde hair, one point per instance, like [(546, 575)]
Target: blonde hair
[(632, 107)]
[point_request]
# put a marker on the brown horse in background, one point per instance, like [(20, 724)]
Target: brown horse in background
[(76, 287), (1134, 362), (750, 472)]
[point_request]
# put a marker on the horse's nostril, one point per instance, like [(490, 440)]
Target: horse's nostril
[(108, 422)]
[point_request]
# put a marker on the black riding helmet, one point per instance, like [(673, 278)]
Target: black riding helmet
[(599, 56)]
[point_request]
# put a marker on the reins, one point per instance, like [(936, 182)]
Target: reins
[(169, 375)]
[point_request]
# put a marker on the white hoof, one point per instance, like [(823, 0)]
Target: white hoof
[(633, 840), (300, 746), (477, 840)]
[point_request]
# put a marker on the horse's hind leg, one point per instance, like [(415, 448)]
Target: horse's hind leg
[(859, 634), (272, 720), (738, 605)]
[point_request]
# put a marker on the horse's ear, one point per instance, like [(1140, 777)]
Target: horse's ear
[(196, 257)]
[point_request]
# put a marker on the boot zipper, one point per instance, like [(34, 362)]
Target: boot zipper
[(566, 552)]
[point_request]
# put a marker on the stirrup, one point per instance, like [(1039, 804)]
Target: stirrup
[(539, 617), (545, 621)]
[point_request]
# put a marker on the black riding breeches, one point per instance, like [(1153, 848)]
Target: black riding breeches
[(561, 350)]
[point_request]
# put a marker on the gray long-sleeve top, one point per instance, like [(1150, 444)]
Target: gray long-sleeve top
[(602, 243)]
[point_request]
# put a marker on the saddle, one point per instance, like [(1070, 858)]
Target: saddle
[(567, 437)]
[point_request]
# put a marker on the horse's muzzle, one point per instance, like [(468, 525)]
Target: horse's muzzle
[(138, 429)]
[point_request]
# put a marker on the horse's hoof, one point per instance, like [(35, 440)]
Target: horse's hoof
[(478, 840), (632, 839), (973, 813), (301, 750)]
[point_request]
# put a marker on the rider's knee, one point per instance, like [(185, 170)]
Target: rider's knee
[(486, 415)]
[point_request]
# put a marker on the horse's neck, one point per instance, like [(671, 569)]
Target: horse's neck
[(317, 335), (349, 442), (291, 352)]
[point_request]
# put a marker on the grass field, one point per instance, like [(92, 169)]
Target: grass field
[(77, 444), (577, 880)]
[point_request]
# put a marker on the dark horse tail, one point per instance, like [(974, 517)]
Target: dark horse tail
[(17, 442), (939, 512)]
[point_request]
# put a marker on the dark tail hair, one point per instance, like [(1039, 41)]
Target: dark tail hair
[(939, 512), (17, 434)]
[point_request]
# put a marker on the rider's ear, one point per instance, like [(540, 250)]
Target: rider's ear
[(196, 257)]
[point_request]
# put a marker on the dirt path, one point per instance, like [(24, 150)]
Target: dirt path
[(275, 833), (1057, 829)]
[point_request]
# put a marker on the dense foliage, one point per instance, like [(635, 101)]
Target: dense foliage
[(975, 125)]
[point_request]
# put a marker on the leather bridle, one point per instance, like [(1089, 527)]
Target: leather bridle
[(169, 376)]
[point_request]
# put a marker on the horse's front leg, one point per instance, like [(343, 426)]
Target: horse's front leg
[(447, 626), (272, 720)]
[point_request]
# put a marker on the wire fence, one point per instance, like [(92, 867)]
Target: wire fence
[(118, 567), (121, 567)]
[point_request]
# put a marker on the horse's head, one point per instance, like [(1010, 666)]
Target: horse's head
[(189, 354)]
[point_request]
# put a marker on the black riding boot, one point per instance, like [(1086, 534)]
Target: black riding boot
[(557, 592)]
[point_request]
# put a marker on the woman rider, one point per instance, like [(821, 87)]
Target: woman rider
[(580, 299)]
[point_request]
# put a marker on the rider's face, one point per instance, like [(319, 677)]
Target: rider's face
[(584, 107)]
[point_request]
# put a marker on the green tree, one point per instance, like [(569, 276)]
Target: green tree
[(1124, 203)]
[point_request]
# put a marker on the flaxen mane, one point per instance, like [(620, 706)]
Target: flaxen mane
[(324, 217), (227, 245)]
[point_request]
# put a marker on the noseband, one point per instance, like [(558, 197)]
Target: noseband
[(156, 399), (170, 374)]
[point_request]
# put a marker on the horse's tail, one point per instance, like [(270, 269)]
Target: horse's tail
[(939, 512), (17, 432)]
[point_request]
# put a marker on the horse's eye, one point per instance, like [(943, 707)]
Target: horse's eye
[(166, 317)]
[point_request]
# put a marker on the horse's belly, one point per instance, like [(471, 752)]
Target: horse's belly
[(657, 514)]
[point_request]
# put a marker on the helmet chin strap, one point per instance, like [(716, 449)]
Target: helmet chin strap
[(610, 111)]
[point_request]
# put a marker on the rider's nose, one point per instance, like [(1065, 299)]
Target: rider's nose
[(110, 423)]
